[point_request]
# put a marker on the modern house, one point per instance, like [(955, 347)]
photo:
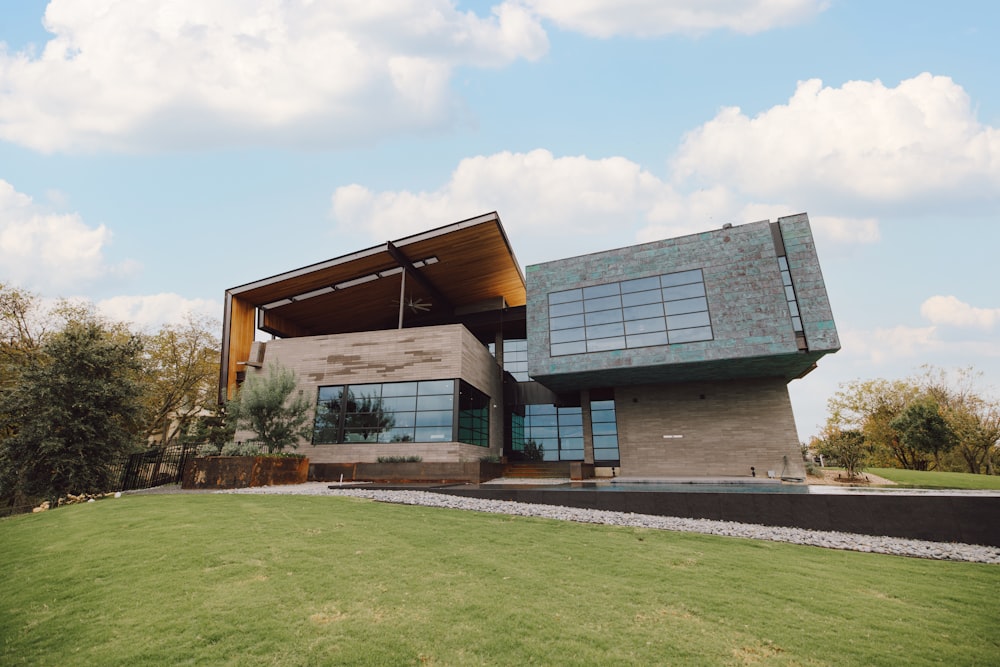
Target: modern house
[(664, 359)]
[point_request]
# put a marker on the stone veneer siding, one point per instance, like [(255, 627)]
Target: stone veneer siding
[(726, 428), (747, 306), (425, 353)]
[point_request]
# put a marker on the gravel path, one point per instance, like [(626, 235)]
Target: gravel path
[(831, 540)]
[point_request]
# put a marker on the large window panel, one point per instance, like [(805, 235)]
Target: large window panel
[(396, 412), (659, 310)]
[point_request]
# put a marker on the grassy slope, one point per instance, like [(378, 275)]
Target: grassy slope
[(940, 480), (291, 580)]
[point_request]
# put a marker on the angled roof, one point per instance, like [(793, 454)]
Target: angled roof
[(448, 270)]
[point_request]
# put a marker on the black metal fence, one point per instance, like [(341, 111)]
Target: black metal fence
[(152, 467)]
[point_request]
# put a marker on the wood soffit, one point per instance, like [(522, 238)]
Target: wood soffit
[(463, 264)]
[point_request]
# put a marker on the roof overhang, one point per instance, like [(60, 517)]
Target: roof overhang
[(436, 277)]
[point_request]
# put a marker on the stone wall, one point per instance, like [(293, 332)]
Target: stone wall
[(424, 353), (707, 429)]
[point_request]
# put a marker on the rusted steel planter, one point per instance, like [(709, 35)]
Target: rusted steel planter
[(438, 472), (237, 472)]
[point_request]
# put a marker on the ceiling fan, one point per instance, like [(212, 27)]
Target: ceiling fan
[(417, 305)]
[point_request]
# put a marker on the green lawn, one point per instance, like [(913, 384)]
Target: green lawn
[(938, 480), (295, 580)]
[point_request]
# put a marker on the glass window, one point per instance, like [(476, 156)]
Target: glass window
[(646, 326), (686, 306), (690, 335), (641, 284), (687, 321), (643, 312), (681, 278), (604, 430), (566, 335), (597, 291), (567, 322), (568, 295), (603, 317), (640, 304), (571, 308), (568, 348), (647, 339), (557, 430), (604, 344), (606, 330), (400, 412), (639, 298), (683, 291), (603, 303)]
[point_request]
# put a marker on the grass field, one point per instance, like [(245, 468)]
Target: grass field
[(296, 580), (938, 480)]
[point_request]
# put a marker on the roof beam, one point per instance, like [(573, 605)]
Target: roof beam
[(412, 272)]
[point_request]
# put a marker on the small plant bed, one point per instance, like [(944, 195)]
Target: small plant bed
[(838, 477)]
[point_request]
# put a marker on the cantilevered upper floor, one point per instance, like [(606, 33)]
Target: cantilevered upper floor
[(738, 302)]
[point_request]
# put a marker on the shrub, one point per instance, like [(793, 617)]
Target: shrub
[(399, 459), (492, 458)]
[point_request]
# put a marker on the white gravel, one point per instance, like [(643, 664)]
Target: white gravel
[(831, 540)]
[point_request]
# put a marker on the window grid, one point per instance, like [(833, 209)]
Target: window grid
[(515, 357), (604, 430), (557, 430), (793, 302), (659, 310), (394, 412)]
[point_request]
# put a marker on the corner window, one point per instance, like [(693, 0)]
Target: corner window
[(421, 411)]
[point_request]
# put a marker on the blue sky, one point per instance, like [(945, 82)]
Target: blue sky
[(155, 152)]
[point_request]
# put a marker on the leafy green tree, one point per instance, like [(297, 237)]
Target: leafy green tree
[(74, 412), (870, 406), (181, 371), (269, 406), (848, 448), (923, 428)]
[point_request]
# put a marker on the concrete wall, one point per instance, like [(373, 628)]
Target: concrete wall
[(425, 353), (725, 428)]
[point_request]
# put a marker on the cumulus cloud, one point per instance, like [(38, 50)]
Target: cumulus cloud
[(49, 251), (950, 311), (649, 18), (551, 196), (145, 74), (863, 142), (150, 312), (578, 202)]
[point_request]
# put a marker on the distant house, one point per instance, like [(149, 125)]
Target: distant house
[(664, 359)]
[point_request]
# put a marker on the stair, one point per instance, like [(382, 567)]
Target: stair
[(537, 469)]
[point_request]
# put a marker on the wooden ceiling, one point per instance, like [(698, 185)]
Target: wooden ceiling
[(457, 267)]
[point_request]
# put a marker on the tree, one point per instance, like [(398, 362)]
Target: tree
[(74, 413), (848, 448), (181, 369), (923, 428), (265, 405), (870, 406)]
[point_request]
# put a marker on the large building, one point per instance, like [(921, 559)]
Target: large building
[(665, 359)]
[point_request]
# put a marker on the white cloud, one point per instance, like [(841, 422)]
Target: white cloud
[(150, 312), (863, 143), (146, 74), (566, 196), (49, 251), (647, 18), (950, 311)]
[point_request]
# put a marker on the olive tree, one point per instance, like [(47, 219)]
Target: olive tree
[(269, 406)]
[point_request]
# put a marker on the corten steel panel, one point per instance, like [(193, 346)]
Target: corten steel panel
[(751, 324)]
